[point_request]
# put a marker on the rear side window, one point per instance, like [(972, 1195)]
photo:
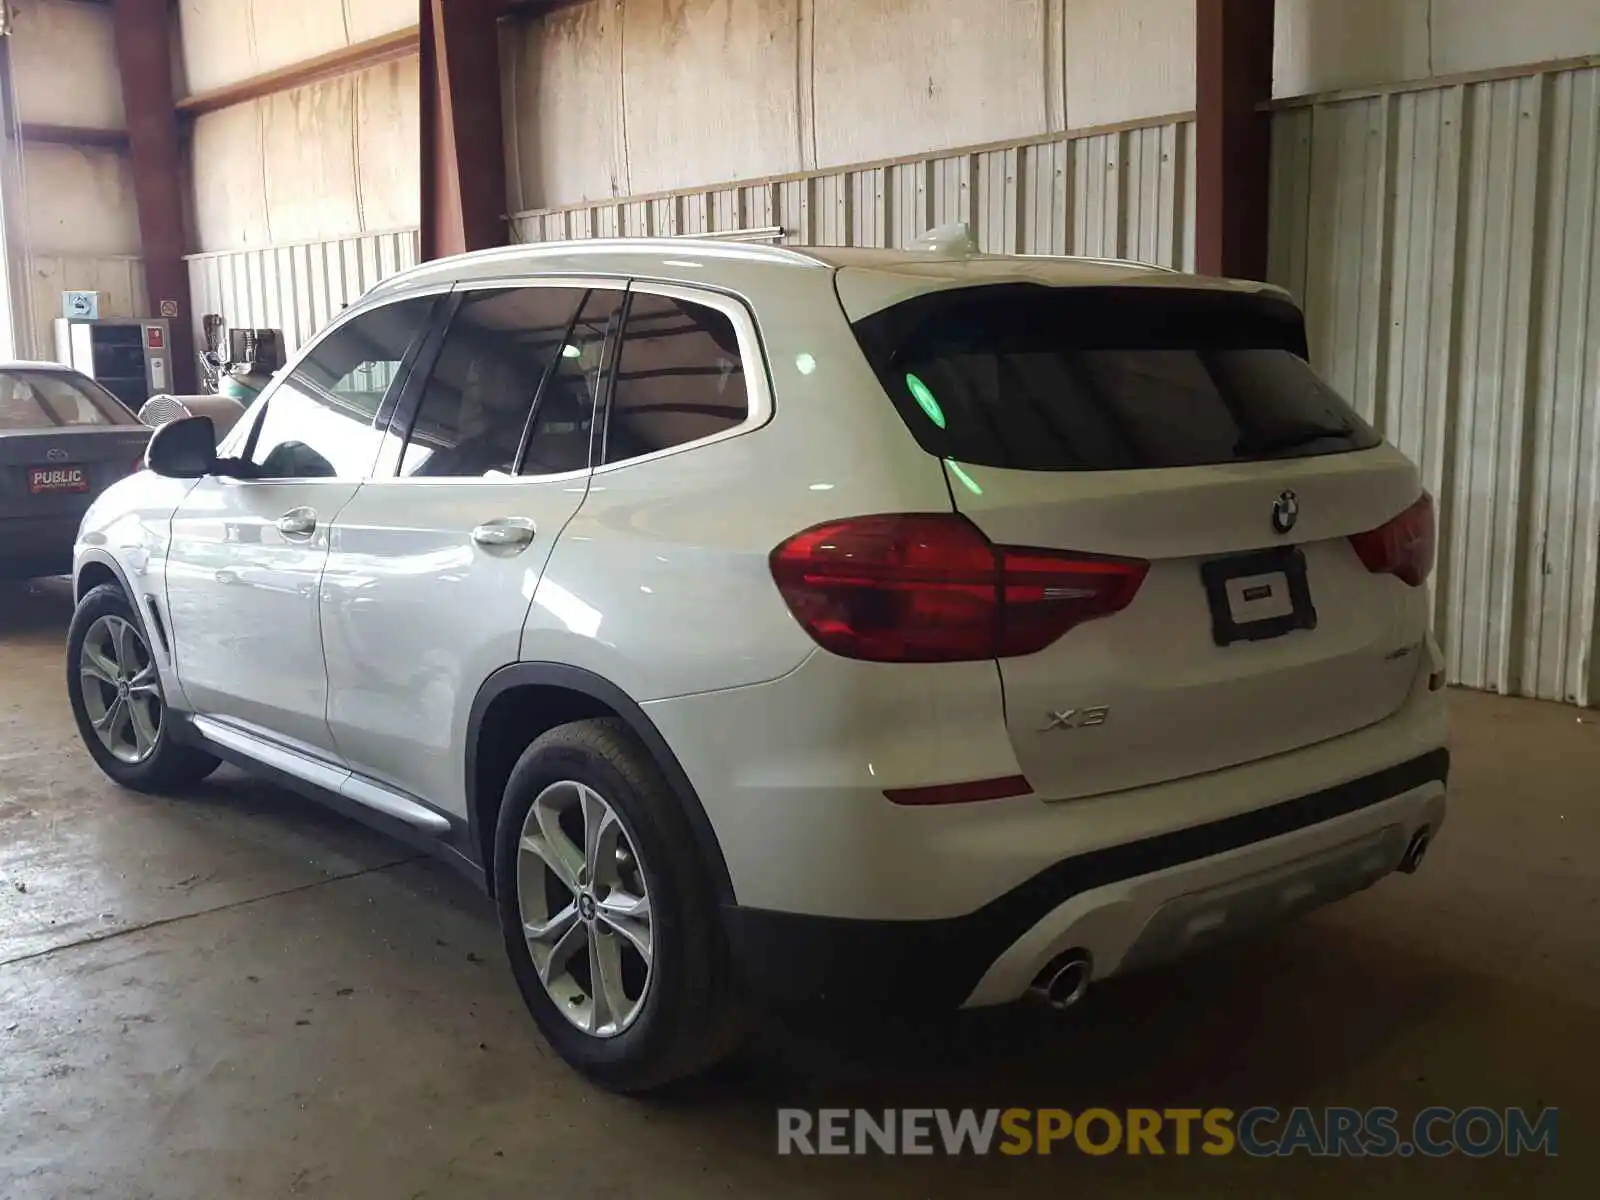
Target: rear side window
[(1106, 379), (679, 378)]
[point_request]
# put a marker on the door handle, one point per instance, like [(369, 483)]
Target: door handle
[(298, 523), (505, 533)]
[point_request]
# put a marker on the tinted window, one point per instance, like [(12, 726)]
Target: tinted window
[(565, 416), (679, 378), (1094, 379), (319, 421), (55, 400), (500, 348)]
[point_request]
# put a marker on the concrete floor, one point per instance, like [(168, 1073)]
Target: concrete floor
[(235, 994)]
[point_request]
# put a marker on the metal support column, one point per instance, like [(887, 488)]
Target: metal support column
[(463, 141), (1233, 78), (144, 59)]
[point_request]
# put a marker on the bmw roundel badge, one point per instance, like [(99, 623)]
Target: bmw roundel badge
[(1285, 511)]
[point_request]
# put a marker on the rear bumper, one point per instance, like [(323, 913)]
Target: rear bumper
[(31, 546), (1128, 905)]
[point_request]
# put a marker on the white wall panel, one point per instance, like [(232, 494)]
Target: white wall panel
[(225, 41), (1446, 246), (1332, 45), (1124, 194), (64, 67), (563, 118), (79, 201), (1127, 59), (1326, 45), (626, 97), (708, 90), (295, 288), (895, 77), (1472, 35), (328, 161)]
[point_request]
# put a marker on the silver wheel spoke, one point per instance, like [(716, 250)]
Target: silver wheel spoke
[(628, 916), (600, 828), (126, 647), (145, 730), (552, 845), (107, 724), (146, 682), (555, 963), (551, 931), (610, 1003), (95, 665)]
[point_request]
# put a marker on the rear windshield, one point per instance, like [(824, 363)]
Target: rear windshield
[(1106, 379), (55, 400)]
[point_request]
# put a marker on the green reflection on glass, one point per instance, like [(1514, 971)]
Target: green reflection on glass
[(924, 398)]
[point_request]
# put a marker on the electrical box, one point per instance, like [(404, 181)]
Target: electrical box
[(132, 359)]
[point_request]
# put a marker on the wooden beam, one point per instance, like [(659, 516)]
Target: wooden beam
[(144, 59), (73, 135), (1233, 136), (347, 60), (463, 140)]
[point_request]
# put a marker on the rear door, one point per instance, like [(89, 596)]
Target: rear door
[(1184, 430), (435, 561)]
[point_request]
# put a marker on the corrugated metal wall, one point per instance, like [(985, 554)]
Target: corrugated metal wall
[(1445, 246), (295, 288), (1126, 193)]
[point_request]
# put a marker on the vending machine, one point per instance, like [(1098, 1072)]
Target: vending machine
[(130, 358)]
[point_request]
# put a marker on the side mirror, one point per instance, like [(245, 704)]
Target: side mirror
[(183, 449)]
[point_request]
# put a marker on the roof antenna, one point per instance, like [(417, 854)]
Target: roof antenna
[(947, 241)]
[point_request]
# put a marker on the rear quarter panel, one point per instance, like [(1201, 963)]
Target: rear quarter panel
[(660, 583)]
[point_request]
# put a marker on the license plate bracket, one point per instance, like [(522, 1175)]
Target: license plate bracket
[(63, 478), (1260, 595)]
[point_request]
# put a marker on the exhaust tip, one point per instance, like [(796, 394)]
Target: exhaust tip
[(1064, 981), (1412, 859)]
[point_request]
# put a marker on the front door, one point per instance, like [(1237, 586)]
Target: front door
[(246, 556), (434, 563)]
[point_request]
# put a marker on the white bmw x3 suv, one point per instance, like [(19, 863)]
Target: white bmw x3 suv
[(795, 627)]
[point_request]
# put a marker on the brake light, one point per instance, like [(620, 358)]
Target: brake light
[(932, 588), (1403, 547)]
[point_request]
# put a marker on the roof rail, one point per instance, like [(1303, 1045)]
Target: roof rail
[(519, 251)]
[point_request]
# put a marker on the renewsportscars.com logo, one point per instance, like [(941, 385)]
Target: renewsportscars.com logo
[(1260, 1132)]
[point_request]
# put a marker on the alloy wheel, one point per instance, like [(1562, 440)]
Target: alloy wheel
[(121, 690), (585, 908)]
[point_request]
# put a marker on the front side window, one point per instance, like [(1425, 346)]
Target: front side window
[(320, 421), (506, 349), (680, 378)]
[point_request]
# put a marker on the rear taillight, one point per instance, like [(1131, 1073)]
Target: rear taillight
[(932, 588), (1402, 547)]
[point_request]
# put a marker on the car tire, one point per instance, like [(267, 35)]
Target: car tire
[(687, 1017), (157, 763)]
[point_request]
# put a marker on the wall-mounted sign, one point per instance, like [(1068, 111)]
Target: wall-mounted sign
[(169, 309), (83, 306)]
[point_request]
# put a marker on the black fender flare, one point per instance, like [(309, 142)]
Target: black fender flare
[(596, 687), (105, 559)]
